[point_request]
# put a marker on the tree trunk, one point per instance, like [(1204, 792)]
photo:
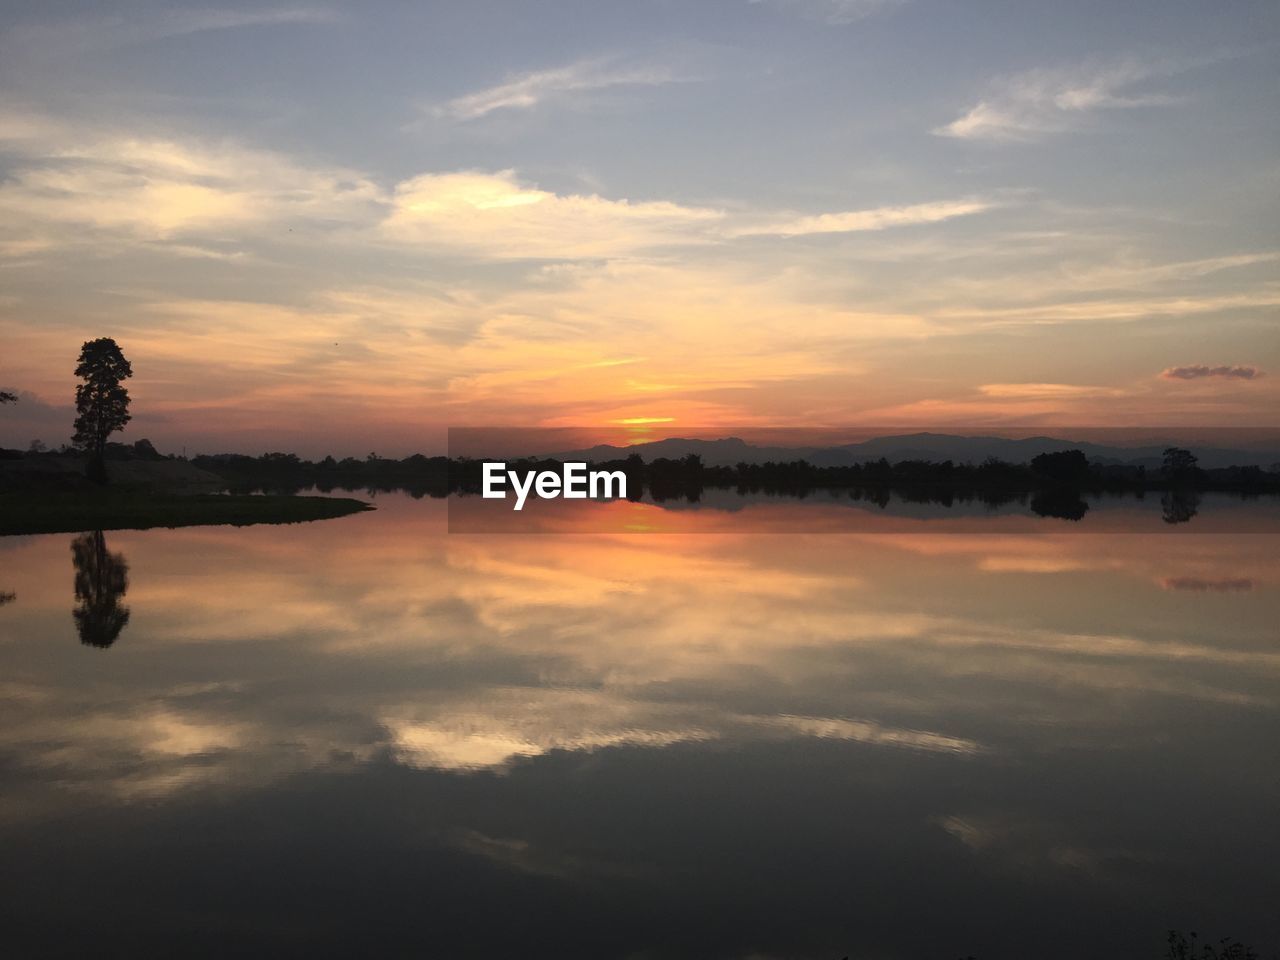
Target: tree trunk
[(96, 470)]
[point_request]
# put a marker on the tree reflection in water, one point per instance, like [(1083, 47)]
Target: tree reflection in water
[(101, 580), (1179, 506)]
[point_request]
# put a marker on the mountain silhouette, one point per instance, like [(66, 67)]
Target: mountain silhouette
[(730, 451)]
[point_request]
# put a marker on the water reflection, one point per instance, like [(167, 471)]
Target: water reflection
[(879, 511), (101, 580), (1063, 503), (1179, 506), (901, 745)]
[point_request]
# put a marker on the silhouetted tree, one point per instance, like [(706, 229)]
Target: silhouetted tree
[(7, 598), (102, 404), (1178, 463), (1065, 466), (101, 580), (1190, 948), (7, 397), (144, 449)]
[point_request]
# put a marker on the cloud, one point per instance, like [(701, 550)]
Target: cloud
[(1038, 103), (101, 190), (1204, 585), (33, 418), (879, 218), (838, 12), (19, 123), (528, 90), (1045, 391), (176, 23), (1092, 311), (79, 35), (495, 216), (152, 189), (1200, 371)]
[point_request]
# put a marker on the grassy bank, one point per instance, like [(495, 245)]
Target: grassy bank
[(25, 512)]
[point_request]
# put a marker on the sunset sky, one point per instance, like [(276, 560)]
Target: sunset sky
[(345, 227)]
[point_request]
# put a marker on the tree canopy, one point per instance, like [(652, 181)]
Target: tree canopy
[(1178, 463), (102, 403)]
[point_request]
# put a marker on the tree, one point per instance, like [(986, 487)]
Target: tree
[(1065, 466), (102, 404), (144, 449), (7, 397), (1179, 463)]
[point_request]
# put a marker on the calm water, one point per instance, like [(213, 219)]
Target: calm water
[(367, 736)]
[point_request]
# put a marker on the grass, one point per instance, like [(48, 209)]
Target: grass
[(26, 512)]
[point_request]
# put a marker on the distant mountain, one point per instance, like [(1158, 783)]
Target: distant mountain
[(714, 453), (914, 446)]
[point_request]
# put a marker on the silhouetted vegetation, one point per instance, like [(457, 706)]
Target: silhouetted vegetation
[(102, 403), (7, 397), (1190, 948), (128, 509), (1179, 465), (1182, 947), (1051, 485), (101, 580), (287, 473), (1065, 467), (1055, 482)]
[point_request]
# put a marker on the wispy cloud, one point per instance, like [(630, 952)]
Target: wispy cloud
[(64, 37), (20, 124), (1092, 311), (494, 215), (1205, 585), (69, 186), (1046, 391), (1038, 103), (152, 189), (527, 90), (878, 218), (836, 11), (1200, 371), (181, 22)]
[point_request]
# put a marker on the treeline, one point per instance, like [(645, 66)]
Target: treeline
[(1067, 469), (288, 473), (992, 481)]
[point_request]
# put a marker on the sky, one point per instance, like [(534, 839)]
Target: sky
[(347, 227)]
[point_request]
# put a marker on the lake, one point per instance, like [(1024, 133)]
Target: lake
[(944, 736)]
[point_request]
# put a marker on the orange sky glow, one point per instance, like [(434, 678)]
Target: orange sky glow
[(997, 254)]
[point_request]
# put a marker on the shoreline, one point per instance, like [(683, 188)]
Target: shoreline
[(28, 513)]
